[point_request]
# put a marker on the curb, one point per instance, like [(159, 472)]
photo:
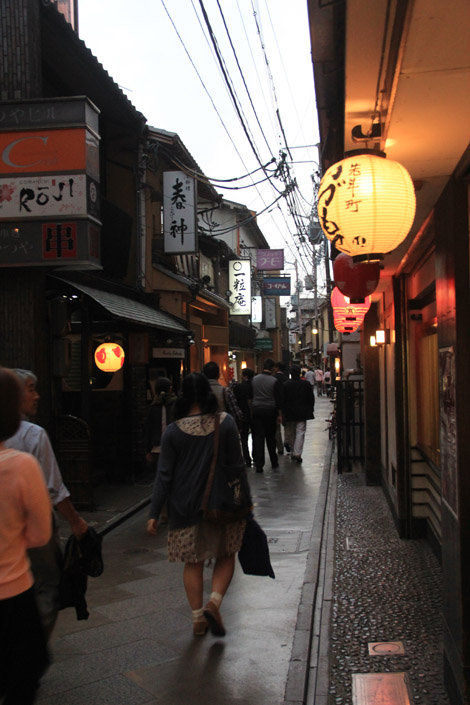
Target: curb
[(300, 661), (122, 516)]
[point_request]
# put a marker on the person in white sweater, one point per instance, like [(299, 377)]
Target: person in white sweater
[(45, 561), (25, 522)]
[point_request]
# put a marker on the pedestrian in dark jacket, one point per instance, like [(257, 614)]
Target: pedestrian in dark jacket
[(280, 374), (159, 416), (183, 470), (244, 395), (297, 407)]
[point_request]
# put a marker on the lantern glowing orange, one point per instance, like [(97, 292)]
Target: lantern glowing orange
[(342, 305), (343, 325), (109, 357), (366, 204), (356, 280)]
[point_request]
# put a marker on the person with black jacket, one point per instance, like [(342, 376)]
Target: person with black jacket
[(187, 450), (280, 374), (297, 406), (244, 394)]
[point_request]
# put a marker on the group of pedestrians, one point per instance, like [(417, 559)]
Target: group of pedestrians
[(275, 402), (31, 487), (209, 433)]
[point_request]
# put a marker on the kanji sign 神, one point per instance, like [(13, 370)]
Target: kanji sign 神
[(179, 212), (239, 273)]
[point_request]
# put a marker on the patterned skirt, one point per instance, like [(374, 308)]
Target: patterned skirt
[(204, 541)]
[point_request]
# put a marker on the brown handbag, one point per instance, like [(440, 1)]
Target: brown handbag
[(225, 498)]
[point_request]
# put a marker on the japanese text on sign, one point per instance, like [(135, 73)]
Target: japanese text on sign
[(31, 196), (277, 286), (240, 287), (179, 212), (270, 259)]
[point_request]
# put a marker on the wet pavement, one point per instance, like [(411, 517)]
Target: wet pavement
[(349, 595), (137, 646)]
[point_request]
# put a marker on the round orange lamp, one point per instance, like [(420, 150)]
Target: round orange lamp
[(109, 357)]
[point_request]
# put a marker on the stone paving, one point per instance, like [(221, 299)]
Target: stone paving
[(384, 590)]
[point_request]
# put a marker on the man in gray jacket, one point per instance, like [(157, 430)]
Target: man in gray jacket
[(267, 402)]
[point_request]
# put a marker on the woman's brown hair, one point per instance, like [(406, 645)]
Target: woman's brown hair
[(11, 394)]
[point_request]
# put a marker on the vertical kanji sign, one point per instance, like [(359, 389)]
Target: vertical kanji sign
[(239, 273), (179, 212)]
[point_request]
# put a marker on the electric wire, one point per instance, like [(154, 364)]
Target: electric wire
[(243, 79)]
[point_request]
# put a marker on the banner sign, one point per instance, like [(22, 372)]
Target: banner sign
[(179, 213), (276, 286), (270, 259), (256, 309), (61, 195), (54, 242), (264, 344), (270, 313), (239, 282)]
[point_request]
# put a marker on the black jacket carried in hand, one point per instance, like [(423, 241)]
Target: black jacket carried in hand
[(82, 558)]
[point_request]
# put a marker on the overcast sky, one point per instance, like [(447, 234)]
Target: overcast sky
[(162, 56)]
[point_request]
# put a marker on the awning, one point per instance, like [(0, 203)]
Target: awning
[(127, 309)]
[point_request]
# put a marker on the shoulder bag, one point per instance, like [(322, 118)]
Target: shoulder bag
[(226, 497)]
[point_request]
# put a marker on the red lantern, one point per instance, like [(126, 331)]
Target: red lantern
[(342, 305), (356, 280), (343, 325)]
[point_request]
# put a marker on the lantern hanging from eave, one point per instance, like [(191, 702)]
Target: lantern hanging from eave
[(356, 280), (366, 204), (109, 357), (343, 325), (343, 306)]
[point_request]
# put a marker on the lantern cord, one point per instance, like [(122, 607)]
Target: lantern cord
[(382, 58)]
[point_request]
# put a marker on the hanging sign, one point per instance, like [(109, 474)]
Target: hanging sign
[(256, 309), (239, 278), (179, 212), (270, 259), (270, 313), (276, 286)]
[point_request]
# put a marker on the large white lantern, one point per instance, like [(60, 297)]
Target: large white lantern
[(366, 204)]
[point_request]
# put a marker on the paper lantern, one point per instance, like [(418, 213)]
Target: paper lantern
[(342, 325), (356, 280), (109, 357), (343, 306), (366, 204)]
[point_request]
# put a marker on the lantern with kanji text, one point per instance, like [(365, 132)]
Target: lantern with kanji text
[(366, 204)]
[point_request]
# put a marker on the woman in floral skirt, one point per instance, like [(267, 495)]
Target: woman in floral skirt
[(186, 454)]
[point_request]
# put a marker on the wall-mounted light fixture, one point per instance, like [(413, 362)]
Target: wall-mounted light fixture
[(382, 337)]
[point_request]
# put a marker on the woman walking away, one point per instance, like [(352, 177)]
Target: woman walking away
[(25, 521), (187, 450)]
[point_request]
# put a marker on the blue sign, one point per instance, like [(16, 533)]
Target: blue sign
[(276, 286)]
